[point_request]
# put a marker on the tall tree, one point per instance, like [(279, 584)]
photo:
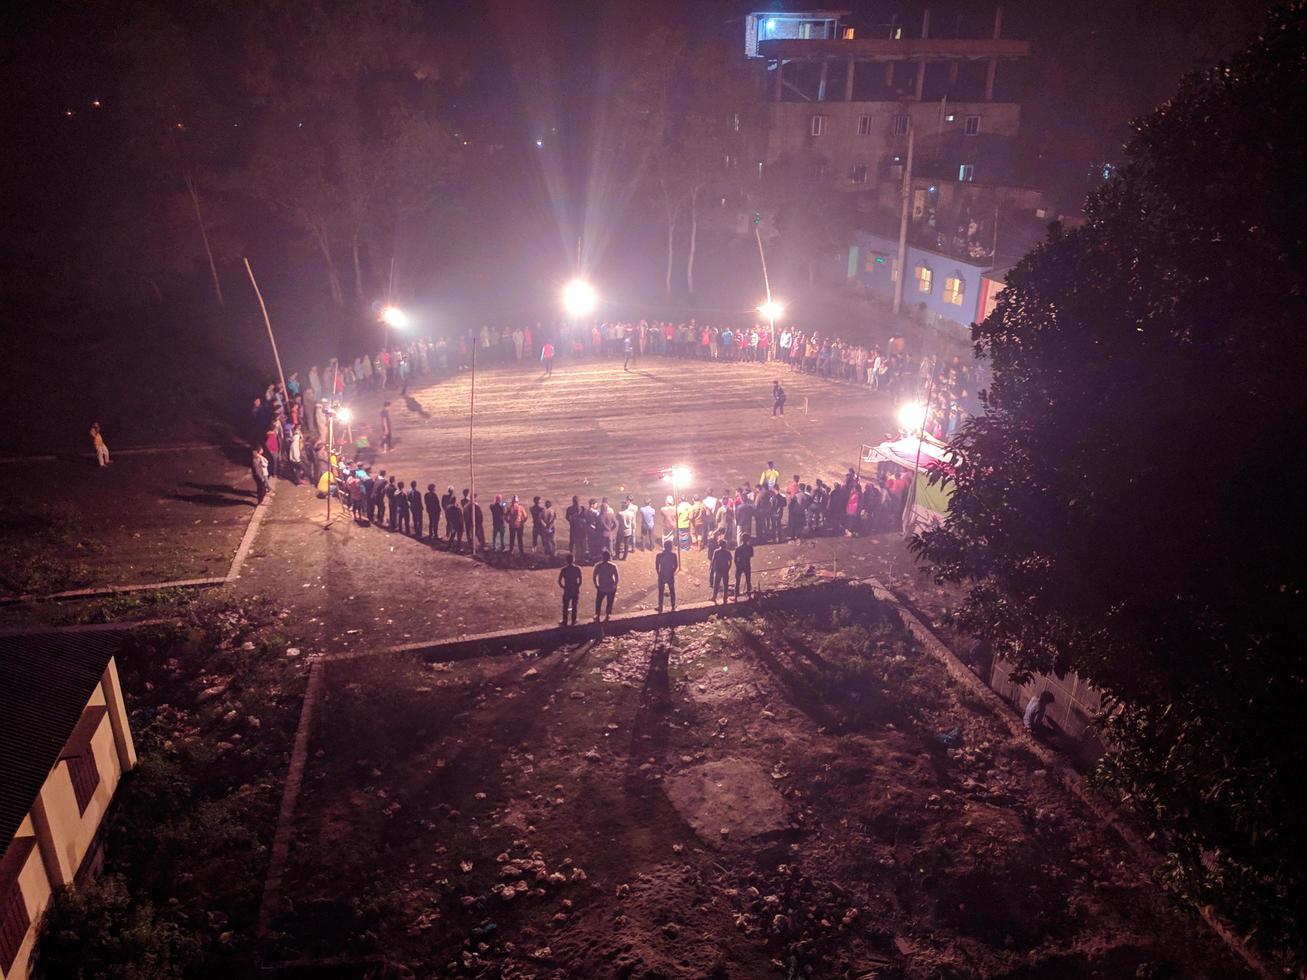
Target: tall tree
[(1124, 510)]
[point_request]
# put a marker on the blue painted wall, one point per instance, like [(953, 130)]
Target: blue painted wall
[(872, 258)]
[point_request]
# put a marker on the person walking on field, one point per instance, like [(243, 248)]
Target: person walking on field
[(387, 440), (777, 398), (569, 580), (628, 352), (547, 358), (666, 565), (605, 578), (101, 450)]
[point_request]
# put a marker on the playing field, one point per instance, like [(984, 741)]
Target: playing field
[(591, 430)]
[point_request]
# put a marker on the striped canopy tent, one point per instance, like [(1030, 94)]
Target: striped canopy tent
[(927, 503)]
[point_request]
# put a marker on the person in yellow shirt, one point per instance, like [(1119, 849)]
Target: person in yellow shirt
[(771, 476)]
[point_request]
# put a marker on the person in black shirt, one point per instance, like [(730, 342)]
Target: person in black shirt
[(578, 527), (666, 565), (392, 495), (400, 504), (719, 568), (432, 503), (744, 566), (537, 532), (415, 507), (569, 580)]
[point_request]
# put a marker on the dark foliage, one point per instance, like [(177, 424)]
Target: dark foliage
[(1124, 510)]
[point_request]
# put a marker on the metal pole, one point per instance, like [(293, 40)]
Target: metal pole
[(903, 223), (471, 415), (268, 324)]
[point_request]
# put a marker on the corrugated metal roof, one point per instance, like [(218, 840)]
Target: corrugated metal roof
[(45, 682)]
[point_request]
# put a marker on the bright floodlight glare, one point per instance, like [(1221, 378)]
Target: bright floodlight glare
[(393, 316), (912, 416), (344, 414), (680, 475), (772, 310), (578, 297)]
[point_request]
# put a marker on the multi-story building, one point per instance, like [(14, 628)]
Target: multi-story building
[(64, 746), (858, 109)]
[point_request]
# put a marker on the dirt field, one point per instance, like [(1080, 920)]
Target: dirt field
[(590, 430), (149, 517), (796, 793)]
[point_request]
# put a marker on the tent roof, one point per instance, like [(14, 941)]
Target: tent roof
[(907, 451)]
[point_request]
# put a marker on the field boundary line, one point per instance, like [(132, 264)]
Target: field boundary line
[(290, 793), (1070, 780)]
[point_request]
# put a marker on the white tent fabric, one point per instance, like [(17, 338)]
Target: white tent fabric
[(904, 452)]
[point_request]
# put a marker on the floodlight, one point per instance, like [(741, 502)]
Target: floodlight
[(579, 298)]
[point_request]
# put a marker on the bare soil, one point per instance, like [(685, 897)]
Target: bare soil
[(150, 516), (590, 430), (801, 792)]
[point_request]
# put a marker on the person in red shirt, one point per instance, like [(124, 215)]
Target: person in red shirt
[(547, 358)]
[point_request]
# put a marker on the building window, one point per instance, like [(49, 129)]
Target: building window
[(967, 171), (954, 287), (859, 174), (817, 125), (730, 161), (733, 122), (900, 125), (924, 278), (85, 776), (13, 922), (864, 125), (971, 125), (818, 170)]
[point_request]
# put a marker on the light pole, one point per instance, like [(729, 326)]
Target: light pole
[(392, 316)]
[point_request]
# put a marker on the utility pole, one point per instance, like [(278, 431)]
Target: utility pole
[(903, 223)]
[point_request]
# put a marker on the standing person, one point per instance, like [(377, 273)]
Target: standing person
[(432, 503), (547, 521), (259, 470), (474, 523), (101, 450), (392, 505), (415, 507), (536, 512), (610, 525), (605, 578), (577, 529), (777, 398), (569, 580), (498, 516), (666, 565), (296, 453), (453, 523), (647, 514), (668, 514), (273, 445), (516, 525), (547, 358), (770, 477), (387, 436), (629, 517), (628, 352), (744, 566), (401, 504), (719, 568)]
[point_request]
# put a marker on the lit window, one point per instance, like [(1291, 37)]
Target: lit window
[(924, 278), (950, 117), (733, 122), (864, 125), (859, 174), (967, 171), (954, 287), (817, 125), (971, 125)]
